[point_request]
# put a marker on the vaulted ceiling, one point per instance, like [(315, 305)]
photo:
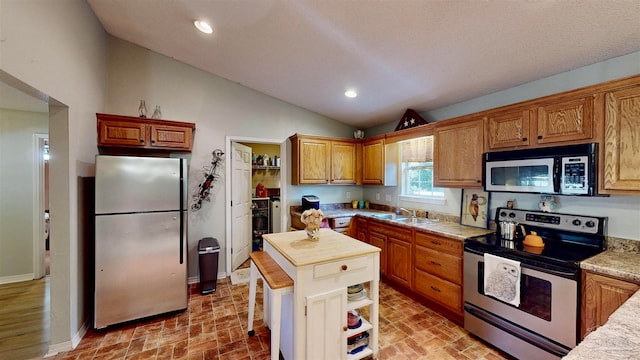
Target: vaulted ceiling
[(396, 54)]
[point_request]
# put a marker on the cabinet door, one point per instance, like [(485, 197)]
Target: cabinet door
[(399, 253), (565, 121), (458, 152), (343, 162), (361, 230), (380, 240), (326, 325), (167, 136), (602, 295), (313, 159), (508, 129), (121, 133), (622, 140), (373, 162)]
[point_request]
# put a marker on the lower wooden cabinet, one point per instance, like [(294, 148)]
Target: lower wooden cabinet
[(438, 270), (396, 245), (423, 263), (601, 296), (361, 230), (399, 261)]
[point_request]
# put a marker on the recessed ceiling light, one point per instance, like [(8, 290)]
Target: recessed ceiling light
[(203, 26), (350, 93)]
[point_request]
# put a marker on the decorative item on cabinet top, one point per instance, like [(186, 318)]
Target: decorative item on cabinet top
[(119, 134), (409, 120)]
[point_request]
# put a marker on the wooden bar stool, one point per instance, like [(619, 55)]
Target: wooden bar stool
[(278, 283)]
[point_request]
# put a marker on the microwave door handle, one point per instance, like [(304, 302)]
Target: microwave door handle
[(557, 174)]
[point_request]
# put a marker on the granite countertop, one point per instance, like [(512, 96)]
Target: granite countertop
[(439, 227), (623, 265), (619, 337)]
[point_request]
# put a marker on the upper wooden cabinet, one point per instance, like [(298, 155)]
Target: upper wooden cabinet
[(458, 149), (564, 121), (620, 151), (373, 161), (319, 160), (555, 121), (508, 129), (126, 132), (380, 162)]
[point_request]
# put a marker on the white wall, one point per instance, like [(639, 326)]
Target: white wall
[(218, 107), (16, 191), (58, 49), (623, 211)]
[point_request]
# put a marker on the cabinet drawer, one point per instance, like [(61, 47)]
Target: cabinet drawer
[(437, 243), (341, 222), (448, 267), (341, 267), (395, 232), (441, 291)]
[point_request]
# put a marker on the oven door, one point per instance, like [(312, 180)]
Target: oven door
[(530, 175), (548, 303)]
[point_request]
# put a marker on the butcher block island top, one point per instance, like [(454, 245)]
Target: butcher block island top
[(300, 250), (314, 315)]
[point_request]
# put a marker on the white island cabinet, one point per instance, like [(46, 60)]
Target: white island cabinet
[(314, 316)]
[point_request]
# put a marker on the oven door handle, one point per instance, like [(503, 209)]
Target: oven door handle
[(565, 274), (509, 328)]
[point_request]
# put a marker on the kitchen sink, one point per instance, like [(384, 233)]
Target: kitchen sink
[(413, 221), (389, 216)]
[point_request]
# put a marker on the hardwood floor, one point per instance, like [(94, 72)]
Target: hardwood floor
[(24, 319)]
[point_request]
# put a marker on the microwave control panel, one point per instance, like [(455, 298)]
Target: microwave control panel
[(575, 175)]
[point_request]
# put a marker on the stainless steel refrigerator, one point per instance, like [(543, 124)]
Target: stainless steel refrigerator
[(140, 237)]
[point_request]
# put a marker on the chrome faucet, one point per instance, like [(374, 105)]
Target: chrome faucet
[(413, 212)]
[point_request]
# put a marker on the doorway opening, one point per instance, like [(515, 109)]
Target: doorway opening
[(256, 175)]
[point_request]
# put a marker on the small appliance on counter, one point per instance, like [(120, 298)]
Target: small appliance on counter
[(310, 202)]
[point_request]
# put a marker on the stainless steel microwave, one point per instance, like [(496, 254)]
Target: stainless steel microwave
[(563, 170)]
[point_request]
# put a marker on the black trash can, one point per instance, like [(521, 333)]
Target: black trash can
[(208, 253)]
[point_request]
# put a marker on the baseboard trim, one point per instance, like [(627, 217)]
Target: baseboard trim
[(54, 349), (15, 278), (196, 279)]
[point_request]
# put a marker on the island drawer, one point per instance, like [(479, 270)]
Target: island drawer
[(343, 267)]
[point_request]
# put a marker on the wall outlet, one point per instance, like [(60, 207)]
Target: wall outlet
[(387, 197), (348, 195), (377, 196)]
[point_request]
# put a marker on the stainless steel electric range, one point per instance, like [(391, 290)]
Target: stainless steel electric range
[(546, 323)]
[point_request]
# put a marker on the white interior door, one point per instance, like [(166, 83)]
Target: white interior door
[(240, 204)]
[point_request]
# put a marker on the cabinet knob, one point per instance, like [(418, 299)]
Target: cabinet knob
[(141, 140), (153, 141), (344, 267), (539, 137), (345, 328), (524, 139), (478, 181)]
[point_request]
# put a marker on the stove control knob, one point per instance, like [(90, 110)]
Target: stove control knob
[(590, 224), (577, 222), (512, 215), (502, 213)]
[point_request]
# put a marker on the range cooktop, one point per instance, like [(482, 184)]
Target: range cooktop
[(568, 238)]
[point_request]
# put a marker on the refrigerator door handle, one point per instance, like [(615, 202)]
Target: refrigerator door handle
[(181, 211)]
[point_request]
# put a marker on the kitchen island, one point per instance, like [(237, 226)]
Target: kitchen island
[(314, 317)]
